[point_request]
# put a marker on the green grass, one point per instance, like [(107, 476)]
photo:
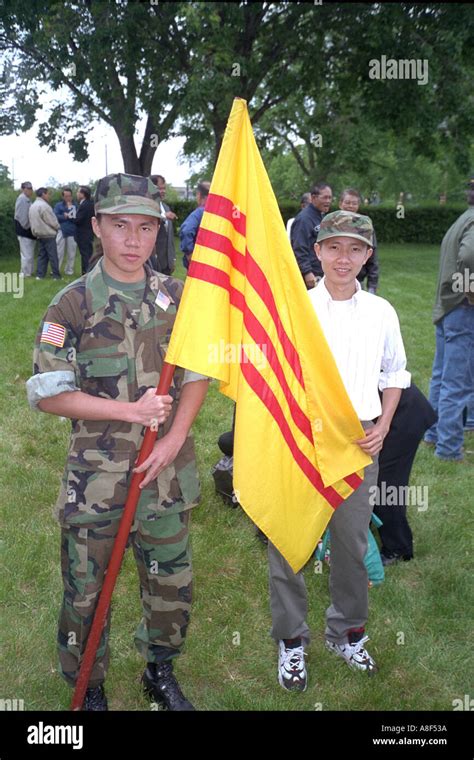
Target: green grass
[(426, 600)]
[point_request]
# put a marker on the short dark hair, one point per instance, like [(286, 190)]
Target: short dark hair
[(470, 196), (41, 191), (155, 177), (203, 188), (66, 190), (85, 191), (316, 189), (26, 186), (350, 191)]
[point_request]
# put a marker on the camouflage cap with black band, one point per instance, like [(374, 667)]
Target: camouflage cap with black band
[(127, 194), (346, 224)]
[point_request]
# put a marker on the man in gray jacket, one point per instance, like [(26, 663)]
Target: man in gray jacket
[(44, 226), (26, 239), (451, 387)]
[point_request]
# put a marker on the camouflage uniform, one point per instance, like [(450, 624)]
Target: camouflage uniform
[(113, 352)]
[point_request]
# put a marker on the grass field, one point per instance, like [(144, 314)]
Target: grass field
[(419, 617)]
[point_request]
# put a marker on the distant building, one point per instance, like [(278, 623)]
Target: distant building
[(184, 193)]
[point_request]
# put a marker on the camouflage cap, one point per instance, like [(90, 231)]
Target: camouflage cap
[(346, 224), (127, 194)]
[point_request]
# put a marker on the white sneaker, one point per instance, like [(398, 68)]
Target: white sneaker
[(291, 667), (354, 654)]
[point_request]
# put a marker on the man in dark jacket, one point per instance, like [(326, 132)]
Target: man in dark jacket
[(84, 234), (163, 258), (304, 232)]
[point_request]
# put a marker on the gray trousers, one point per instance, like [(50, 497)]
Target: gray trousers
[(348, 580), (27, 255)]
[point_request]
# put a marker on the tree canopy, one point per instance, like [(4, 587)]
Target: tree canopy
[(304, 70)]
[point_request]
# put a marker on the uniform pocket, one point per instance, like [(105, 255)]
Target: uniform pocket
[(94, 487), (176, 488), (103, 374), (187, 472), (98, 460)]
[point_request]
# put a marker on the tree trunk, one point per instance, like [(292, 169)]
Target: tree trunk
[(131, 163), (148, 149)]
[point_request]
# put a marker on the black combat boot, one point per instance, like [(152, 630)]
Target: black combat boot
[(95, 700), (161, 686)]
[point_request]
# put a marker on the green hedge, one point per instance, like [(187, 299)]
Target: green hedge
[(8, 241), (426, 224)]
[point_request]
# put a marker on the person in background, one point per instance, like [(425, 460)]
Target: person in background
[(451, 387), (45, 226), (84, 234), (26, 239), (65, 211), (469, 411), (304, 232), (190, 226), (305, 201), (413, 416), (350, 200), (163, 258)]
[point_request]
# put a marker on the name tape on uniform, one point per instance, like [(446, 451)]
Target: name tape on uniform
[(54, 334)]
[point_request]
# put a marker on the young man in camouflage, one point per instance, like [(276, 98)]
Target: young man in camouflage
[(97, 360)]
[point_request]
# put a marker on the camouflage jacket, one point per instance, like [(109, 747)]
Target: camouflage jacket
[(109, 352)]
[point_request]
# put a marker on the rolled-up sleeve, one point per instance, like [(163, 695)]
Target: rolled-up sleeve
[(54, 359), (394, 360), (46, 384)]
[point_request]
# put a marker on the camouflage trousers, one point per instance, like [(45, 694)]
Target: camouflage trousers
[(163, 557)]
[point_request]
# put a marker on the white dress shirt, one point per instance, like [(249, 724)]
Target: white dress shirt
[(164, 220), (364, 336)]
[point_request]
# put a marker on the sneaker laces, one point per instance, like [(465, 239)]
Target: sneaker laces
[(358, 647), (293, 659)]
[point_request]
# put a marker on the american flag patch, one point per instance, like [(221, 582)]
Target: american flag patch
[(54, 334), (162, 300)]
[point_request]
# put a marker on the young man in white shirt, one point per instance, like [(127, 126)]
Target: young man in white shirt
[(363, 333)]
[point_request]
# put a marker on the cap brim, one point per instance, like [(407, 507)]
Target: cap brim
[(344, 234), (125, 210)]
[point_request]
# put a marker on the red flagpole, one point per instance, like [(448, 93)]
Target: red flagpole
[(115, 562)]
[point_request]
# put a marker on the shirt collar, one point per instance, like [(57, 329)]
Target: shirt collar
[(324, 295), (97, 293)]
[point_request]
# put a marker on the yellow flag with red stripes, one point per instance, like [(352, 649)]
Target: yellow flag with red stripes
[(245, 318)]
